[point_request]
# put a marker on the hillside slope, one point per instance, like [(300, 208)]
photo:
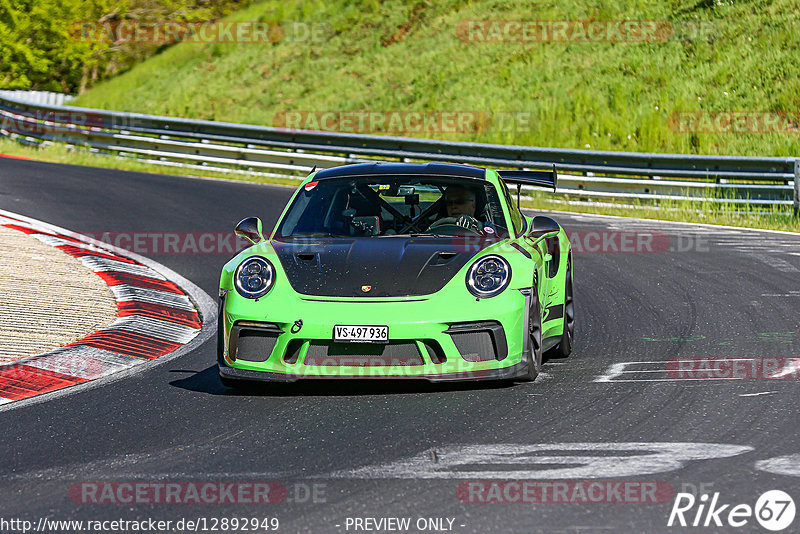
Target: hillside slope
[(710, 56)]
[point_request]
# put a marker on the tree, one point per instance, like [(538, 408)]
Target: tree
[(42, 45)]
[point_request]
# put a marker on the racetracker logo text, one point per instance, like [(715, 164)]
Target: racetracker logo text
[(173, 242), (564, 31), (393, 121), (736, 122), (196, 492), (173, 31), (603, 242), (564, 492), (177, 493), (53, 122), (734, 368)]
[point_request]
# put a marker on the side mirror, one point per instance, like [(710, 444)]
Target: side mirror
[(250, 229), (542, 228)]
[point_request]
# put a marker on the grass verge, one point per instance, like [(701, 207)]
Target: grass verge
[(413, 55)]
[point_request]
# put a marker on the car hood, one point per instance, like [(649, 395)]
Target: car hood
[(391, 266)]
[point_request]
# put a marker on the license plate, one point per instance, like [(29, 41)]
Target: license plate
[(361, 334)]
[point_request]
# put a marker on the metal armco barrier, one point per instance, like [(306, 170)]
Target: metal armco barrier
[(37, 97), (285, 152)]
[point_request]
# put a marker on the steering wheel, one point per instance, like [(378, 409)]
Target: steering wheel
[(449, 226)]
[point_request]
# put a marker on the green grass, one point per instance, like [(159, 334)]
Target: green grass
[(394, 55), (778, 218)]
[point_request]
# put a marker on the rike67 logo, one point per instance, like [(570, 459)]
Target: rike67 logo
[(774, 510)]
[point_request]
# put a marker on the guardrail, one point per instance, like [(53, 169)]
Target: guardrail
[(285, 152), (37, 97)]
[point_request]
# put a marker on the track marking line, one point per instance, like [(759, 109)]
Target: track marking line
[(615, 372), (782, 465)]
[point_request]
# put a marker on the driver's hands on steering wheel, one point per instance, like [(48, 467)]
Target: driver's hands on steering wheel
[(464, 221), (468, 223)]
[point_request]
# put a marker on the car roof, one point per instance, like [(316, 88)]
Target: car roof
[(383, 169)]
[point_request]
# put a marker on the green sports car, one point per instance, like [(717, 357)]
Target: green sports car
[(398, 270)]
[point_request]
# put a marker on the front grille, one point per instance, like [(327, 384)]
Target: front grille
[(394, 353)]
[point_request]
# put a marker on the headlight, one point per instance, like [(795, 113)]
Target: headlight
[(254, 277), (488, 276)]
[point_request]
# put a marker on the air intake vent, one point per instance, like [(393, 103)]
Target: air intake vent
[(253, 341), (255, 345), (399, 353), (479, 342), (475, 346), (435, 351)]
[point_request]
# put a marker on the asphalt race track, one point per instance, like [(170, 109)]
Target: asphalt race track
[(626, 407)]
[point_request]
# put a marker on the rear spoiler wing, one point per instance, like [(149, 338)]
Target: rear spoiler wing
[(535, 178)]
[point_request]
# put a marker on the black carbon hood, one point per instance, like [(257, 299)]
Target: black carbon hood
[(392, 266)]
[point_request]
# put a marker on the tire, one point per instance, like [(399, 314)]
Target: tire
[(533, 356), (564, 347), (220, 337)]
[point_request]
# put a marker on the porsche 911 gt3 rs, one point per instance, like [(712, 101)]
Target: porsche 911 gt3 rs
[(398, 270)]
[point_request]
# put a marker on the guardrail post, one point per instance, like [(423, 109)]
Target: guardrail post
[(797, 187)]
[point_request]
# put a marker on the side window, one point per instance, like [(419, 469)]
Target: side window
[(516, 216)]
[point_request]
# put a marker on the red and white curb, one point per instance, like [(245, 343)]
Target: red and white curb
[(161, 315)]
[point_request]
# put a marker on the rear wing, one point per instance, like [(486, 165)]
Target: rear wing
[(535, 178)]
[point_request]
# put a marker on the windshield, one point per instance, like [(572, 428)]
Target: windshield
[(376, 206)]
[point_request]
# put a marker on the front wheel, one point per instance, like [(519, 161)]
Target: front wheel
[(533, 354)]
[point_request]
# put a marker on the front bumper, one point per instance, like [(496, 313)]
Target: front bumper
[(504, 373), (467, 340)]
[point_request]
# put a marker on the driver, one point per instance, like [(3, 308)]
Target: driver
[(460, 208)]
